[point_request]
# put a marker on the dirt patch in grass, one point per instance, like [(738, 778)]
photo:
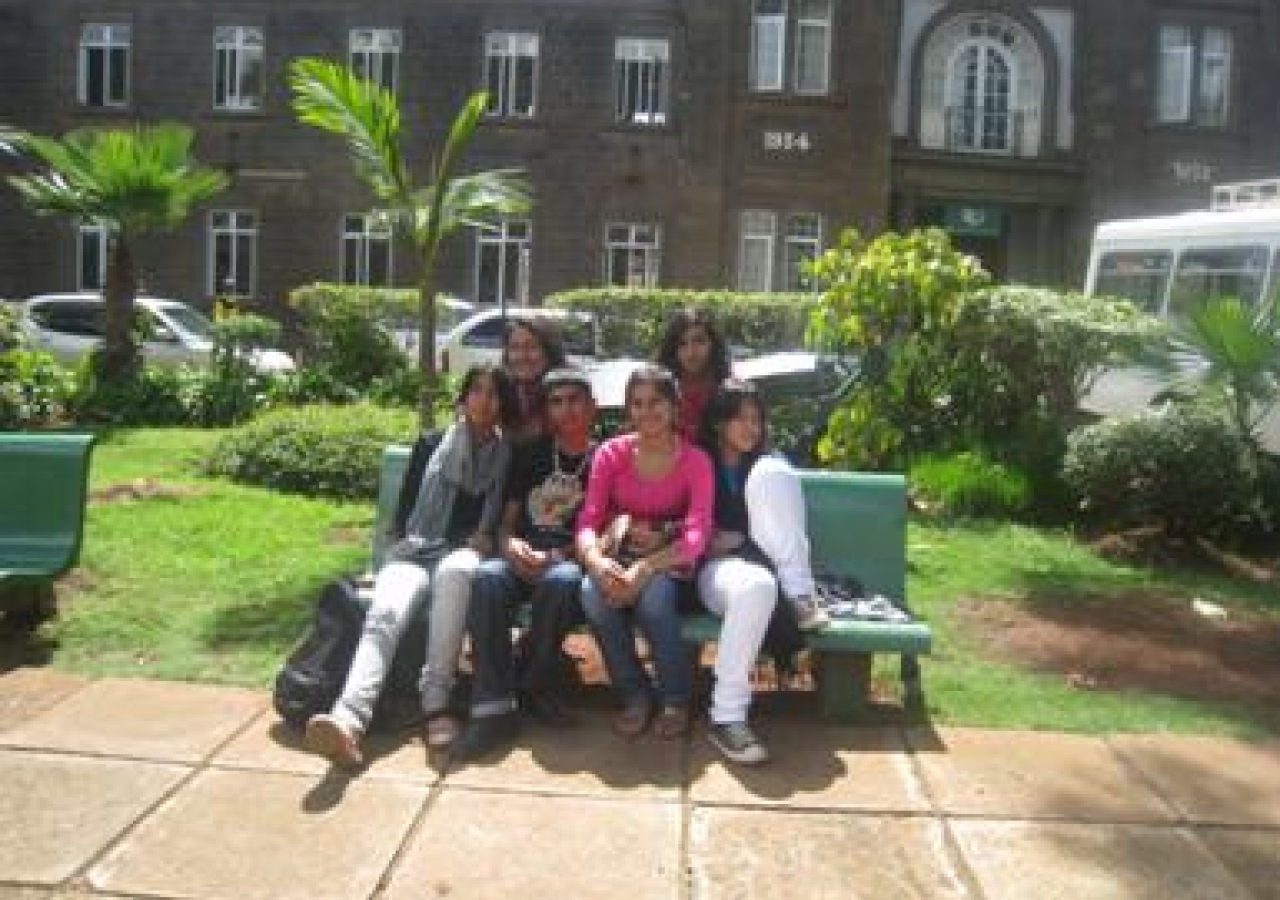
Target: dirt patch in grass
[(1136, 641), (143, 489)]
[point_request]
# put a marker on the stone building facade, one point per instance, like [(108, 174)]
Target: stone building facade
[(697, 143)]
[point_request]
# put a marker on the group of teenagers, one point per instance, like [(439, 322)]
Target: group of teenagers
[(516, 503)]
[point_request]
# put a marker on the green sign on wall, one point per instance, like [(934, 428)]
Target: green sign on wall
[(973, 219)]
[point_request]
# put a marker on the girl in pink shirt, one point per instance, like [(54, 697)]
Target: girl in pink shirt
[(666, 486)]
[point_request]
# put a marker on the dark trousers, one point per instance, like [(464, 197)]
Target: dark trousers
[(555, 610)]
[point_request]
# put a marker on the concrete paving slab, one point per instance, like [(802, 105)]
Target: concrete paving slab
[(479, 846), (750, 854), (268, 744), (265, 836), (1019, 774), (587, 760), (141, 719), (1210, 779), (29, 691), (814, 766), (60, 811), (1043, 861), (1252, 856)]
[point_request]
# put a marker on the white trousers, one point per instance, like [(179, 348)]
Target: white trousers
[(775, 511), (400, 588)]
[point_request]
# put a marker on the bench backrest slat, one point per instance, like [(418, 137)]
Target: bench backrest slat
[(857, 521), (44, 479)]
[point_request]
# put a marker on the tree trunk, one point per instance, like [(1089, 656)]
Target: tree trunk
[(119, 353), (427, 341)]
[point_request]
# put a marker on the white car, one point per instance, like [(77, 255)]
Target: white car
[(479, 337), (69, 326), (450, 313)]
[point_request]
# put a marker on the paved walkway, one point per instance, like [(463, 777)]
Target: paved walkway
[(157, 790)]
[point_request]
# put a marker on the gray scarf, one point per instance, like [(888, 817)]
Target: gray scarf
[(457, 465)]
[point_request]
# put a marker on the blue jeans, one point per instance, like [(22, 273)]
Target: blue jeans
[(658, 618), (554, 611)]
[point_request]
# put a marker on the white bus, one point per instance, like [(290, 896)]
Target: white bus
[(1167, 264)]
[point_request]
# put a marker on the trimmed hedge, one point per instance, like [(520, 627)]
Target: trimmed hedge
[(319, 451), (632, 320)]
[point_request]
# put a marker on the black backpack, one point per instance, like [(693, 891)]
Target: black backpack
[(316, 669)]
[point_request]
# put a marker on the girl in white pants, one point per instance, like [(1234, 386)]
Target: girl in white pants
[(760, 552)]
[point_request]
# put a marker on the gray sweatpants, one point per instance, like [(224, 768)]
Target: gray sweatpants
[(398, 591)]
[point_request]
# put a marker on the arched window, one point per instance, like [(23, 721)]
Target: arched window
[(982, 87)]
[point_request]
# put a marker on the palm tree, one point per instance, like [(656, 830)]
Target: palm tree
[(133, 182), (332, 97), (1225, 343)]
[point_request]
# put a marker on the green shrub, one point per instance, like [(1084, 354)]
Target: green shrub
[(328, 451), (1181, 468), (348, 332), (10, 334), (970, 483), (631, 320), (33, 388), (146, 395)]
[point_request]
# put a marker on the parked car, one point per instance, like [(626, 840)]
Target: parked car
[(479, 337), (450, 313), (68, 326)]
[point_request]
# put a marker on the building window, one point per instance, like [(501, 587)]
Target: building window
[(1194, 82), (366, 251), (375, 55), (104, 65), (795, 29), (91, 257), (642, 70), (769, 260), (802, 242), (511, 72), (755, 256), (502, 262), (237, 68), (633, 254), (233, 241), (982, 87)]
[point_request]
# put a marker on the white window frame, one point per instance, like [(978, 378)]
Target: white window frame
[(767, 72), (639, 245), (91, 236), (805, 242), (642, 79), (808, 25), (375, 54), (233, 225), (972, 136), (241, 46), (757, 229), (1184, 69), (504, 50), (362, 232), (104, 40), (499, 239)]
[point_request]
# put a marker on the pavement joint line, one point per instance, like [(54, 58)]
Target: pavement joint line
[(552, 792), (685, 886), (1135, 771), (434, 793)]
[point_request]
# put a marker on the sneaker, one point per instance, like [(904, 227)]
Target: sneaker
[(810, 615), (441, 730), (738, 743), (334, 741), (484, 735)]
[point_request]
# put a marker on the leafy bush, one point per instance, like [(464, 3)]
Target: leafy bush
[(10, 334), (631, 320), (33, 388), (1181, 468), (348, 332), (329, 451), (970, 483), (145, 395)]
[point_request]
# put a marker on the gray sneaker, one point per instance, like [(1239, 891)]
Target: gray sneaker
[(810, 614), (738, 743)]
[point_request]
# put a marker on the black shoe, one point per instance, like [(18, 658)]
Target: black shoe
[(547, 709), (483, 735)]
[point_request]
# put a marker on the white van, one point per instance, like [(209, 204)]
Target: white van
[(69, 326), (479, 338)]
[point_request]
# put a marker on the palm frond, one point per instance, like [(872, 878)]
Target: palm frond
[(333, 98)]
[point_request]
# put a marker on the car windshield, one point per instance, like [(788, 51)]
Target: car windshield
[(187, 320)]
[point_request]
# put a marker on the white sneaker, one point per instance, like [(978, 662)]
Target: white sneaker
[(738, 743), (810, 615)]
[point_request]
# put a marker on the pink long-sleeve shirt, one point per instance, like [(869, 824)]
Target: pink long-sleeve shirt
[(686, 493)]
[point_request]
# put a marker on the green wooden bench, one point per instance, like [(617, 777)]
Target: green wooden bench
[(857, 527), (44, 482)]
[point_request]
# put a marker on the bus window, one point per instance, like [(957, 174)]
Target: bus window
[(1221, 272), (1137, 275)]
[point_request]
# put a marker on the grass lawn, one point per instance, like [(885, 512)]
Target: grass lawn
[(191, 578)]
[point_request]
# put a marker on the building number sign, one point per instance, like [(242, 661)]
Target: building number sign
[(788, 141)]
